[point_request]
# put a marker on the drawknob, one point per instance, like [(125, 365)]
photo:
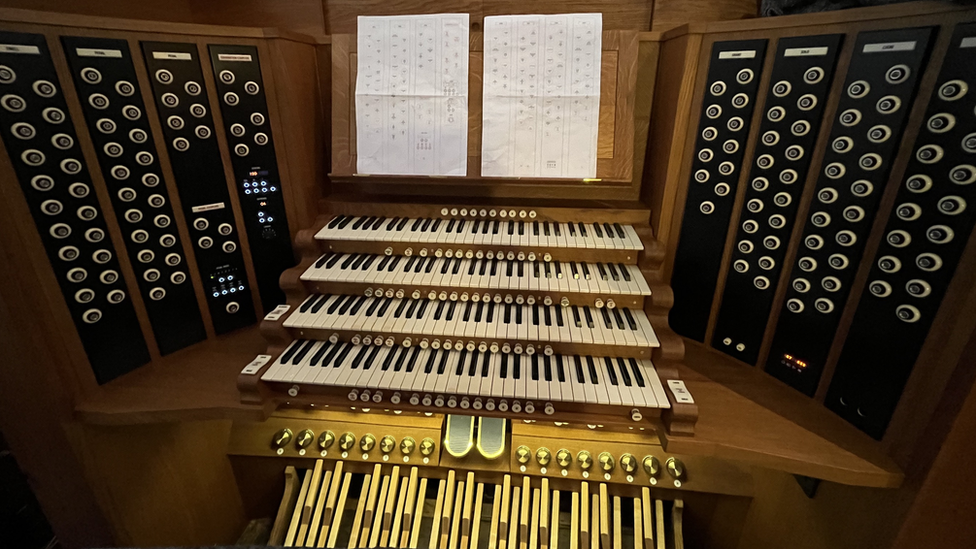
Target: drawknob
[(347, 441), (367, 442), (585, 460), (606, 461), (281, 438), (304, 438), (675, 468), (326, 440), (628, 463), (564, 458), (427, 446), (407, 446), (523, 454), (651, 466), (543, 456), (387, 444)]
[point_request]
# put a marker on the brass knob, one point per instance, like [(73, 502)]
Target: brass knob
[(675, 468), (407, 446), (606, 461), (651, 466), (523, 454), (564, 458), (427, 446), (304, 438), (367, 442), (585, 460), (326, 439), (281, 438), (347, 441), (387, 444), (628, 463), (543, 456)]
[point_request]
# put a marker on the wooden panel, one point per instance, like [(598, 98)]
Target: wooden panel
[(616, 137), (304, 16), (671, 12), (176, 10), (164, 485)]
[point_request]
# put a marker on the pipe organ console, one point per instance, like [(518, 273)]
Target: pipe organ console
[(772, 273)]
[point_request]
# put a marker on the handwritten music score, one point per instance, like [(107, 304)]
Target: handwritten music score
[(412, 95), (541, 95)]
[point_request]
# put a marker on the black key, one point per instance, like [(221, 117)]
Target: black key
[(422, 308), (437, 223), (494, 227), (556, 229), (447, 263), (535, 228), (450, 311), (420, 264), (624, 373), (378, 223), (597, 231), (335, 221), (631, 321), (370, 358), (560, 371), (613, 272), (320, 353), (491, 313), (410, 262), (620, 230), (545, 227), (517, 367), (416, 224), (608, 230), (485, 362), (606, 319), (358, 224), (511, 228), (572, 268), (430, 264), (429, 367), (558, 267), (331, 354), (402, 224), (572, 229), (473, 366), (426, 225), (384, 262), (457, 265), (485, 225), (535, 367), (372, 306), (611, 372), (582, 229), (369, 261), (576, 317), (308, 303), (559, 315), (603, 273), (475, 225), (579, 370), (521, 228), (400, 308), (359, 303), (320, 303), (341, 357), (471, 267), (345, 306), (592, 368), (518, 314), (450, 225), (439, 310), (345, 221), (360, 355), (403, 356), (620, 321), (290, 351), (414, 353), (494, 267), (509, 267), (467, 312), (624, 272), (508, 313), (414, 303), (535, 314), (589, 317), (586, 270), (521, 269), (392, 223), (348, 261), (460, 226), (503, 371), (335, 304), (321, 261), (389, 358), (548, 315), (443, 363), (384, 308), (483, 267), (547, 367), (459, 369)]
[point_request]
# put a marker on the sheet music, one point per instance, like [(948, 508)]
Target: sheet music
[(542, 95), (412, 95)]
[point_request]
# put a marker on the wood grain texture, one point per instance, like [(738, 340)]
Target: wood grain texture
[(667, 12), (304, 16)]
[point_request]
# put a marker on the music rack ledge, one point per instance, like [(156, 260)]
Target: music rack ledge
[(200, 383)]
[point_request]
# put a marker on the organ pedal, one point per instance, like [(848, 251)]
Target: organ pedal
[(283, 518)]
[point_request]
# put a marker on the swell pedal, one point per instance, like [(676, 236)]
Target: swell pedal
[(491, 436), (460, 435)]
